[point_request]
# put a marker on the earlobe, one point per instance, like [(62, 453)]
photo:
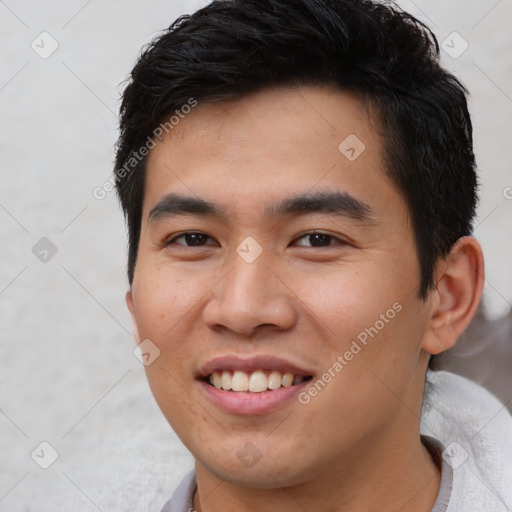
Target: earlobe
[(459, 284), (131, 308)]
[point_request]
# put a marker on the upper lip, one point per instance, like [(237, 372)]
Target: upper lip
[(251, 364)]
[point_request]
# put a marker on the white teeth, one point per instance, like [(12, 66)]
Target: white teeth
[(216, 379), (255, 382), (287, 379), (258, 382), (225, 381), (274, 380), (240, 381)]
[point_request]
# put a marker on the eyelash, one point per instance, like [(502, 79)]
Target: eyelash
[(336, 240), (172, 241)]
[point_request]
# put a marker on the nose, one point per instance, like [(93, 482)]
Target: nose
[(250, 297)]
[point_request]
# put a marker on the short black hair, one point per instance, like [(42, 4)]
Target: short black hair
[(231, 48)]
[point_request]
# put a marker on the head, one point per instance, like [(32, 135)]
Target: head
[(306, 191)]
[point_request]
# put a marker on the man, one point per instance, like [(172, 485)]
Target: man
[(299, 185)]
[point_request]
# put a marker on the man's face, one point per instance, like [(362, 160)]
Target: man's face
[(268, 249)]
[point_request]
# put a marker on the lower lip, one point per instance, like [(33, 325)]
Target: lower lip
[(247, 403)]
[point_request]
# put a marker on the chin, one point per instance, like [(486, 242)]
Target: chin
[(266, 473)]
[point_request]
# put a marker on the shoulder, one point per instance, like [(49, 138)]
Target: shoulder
[(476, 430), (183, 496)]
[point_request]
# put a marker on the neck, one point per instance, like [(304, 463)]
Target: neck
[(402, 477)]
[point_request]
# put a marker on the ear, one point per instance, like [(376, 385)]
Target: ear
[(459, 281), (131, 308)]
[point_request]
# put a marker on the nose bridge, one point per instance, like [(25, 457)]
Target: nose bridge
[(250, 296), (247, 285)]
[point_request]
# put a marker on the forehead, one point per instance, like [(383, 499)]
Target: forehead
[(256, 150)]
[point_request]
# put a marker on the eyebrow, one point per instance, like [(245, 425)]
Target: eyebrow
[(174, 204), (338, 203)]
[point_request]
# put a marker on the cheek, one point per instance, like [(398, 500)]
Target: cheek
[(347, 300), (369, 316), (165, 298)]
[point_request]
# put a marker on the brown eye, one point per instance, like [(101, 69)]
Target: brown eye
[(190, 239), (317, 240)]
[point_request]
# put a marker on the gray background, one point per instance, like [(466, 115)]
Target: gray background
[(68, 375)]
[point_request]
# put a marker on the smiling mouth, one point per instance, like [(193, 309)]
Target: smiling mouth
[(253, 382)]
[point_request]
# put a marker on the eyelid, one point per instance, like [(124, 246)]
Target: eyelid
[(172, 238), (336, 238)]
